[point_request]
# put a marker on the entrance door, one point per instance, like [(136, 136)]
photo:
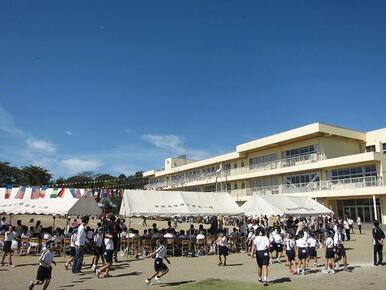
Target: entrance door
[(360, 212), (366, 214)]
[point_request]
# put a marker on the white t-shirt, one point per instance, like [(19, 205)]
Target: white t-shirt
[(160, 252), (9, 237), (109, 244), (81, 236), (200, 237), (47, 257), (359, 222), (346, 225), (311, 242), (261, 243), (222, 242), (301, 243), (73, 239), (98, 240), (290, 244), (338, 239), (276, 238), (329, 243)]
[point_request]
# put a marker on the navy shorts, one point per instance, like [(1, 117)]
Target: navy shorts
[(262, 258), (223, 251), (72, 251), (278, 247), (341, 251), (98, 251), (290, 255), (302, 253), (330, 253), (312, 252), (7, 247), (159, 265), (108, 254), (43, 273)]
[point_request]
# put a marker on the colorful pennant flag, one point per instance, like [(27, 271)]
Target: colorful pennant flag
[(42, 192), (61, 192), (73, 192), (78, 193), (20, 193), (8, 190), (54, 193), (35, 192)]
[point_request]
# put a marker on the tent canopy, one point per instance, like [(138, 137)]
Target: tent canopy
[(65, 205), (177, 203), (271, 205)]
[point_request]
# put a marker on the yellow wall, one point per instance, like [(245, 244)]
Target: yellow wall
[(334, 146)]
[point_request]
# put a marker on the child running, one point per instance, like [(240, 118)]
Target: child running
[(109, 251), (72, 249), (290, 252), (7, 246), (45, 268), (301, 246), (222, 248), (312, 250), (260, 250), (159, 265)]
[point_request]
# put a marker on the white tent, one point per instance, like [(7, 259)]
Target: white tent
[(177, 203), (65, 205), (271, 205)]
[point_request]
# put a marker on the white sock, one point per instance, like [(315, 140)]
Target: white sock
[(265, 278)]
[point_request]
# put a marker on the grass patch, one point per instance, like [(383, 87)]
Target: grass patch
[(214, 284)]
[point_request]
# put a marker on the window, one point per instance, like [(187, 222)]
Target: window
[(243, 185), (301, 151), (302, 178), (370, 148), (384, 148), (235, 186), (242, 163), (258, 161), (354, 172), (235, 165)]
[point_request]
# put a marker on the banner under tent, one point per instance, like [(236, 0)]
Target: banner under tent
[(276, 204), (177, 203), (50, 201)]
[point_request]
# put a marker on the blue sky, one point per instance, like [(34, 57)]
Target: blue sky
[(117, 86)]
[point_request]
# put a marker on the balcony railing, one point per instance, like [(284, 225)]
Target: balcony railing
[(203, 175), (338, 184)]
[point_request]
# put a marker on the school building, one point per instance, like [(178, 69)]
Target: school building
[(343, 169)]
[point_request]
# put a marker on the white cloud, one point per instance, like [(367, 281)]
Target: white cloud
[(69, 133), (7, 123), (165, 142), (41, 145), (127, 130), (75, 165)]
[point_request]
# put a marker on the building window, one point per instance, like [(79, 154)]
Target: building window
[(370, 148), (260, 160), (302, 178), (243, 185), (354, 172), (235, 165), (384, 148), (235, 186), (301, 151), (242, 163)]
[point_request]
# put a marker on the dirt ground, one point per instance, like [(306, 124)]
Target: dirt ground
[(130, 273)]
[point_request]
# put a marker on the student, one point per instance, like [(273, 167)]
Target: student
[(45, 268), (290, 252), (339, 247), (330, 253), (222, 248), (7, 246), (378, 238), (312, 250), (260, 250), (347, 228), (98, 250), (108, 254), (277, 244), (80, 246), (159, 265), (302, 251), (72, 247), (359, 223)]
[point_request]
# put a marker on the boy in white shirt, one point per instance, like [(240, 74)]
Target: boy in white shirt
[(290, 245), (312, 250), (159, 265), (45, 268), (330, 253), (72, 248), (222, 244), (108, 254), (7, 246), (260, 249), (302, 250)]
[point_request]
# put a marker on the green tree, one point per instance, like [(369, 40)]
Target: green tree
[(34, 175), (8, 174)]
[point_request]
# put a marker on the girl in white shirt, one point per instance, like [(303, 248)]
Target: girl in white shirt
[(312, 250), (260, 250), (302, 250), (108, 255), (7, 247), (72, 248), (290, 245), (98, 250), (330, 253)]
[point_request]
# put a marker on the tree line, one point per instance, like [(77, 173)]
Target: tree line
[(39, 176)]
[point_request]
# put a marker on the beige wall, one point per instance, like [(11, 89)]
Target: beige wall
[(334, 146)]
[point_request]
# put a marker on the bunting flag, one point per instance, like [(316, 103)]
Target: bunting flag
[(87, 193), (42, 192), (54, 193), (61, 192), (35, 192), (73, 192), (105, 193), (20, 193), (8, 190), (110, 192), (78, 193)]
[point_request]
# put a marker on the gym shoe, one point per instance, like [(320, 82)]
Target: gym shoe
[(259, 280), (332, 271), (325, 271), (278, 260), (219, 264), (265, 283), (158, 279), (31, 285), (93, 267), (147, 282)]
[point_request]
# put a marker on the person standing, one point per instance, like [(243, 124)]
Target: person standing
[(359, 223), (260, 250), (80, 245), (378, 238), (222, 244), (346, 226), (351, 224)]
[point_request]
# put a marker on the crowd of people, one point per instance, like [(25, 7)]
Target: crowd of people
[(296, 241)]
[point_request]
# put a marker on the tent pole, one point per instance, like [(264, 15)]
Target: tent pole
[(10, 219), (53, 222)]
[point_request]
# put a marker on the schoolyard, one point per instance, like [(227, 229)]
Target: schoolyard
[(203, 273)]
